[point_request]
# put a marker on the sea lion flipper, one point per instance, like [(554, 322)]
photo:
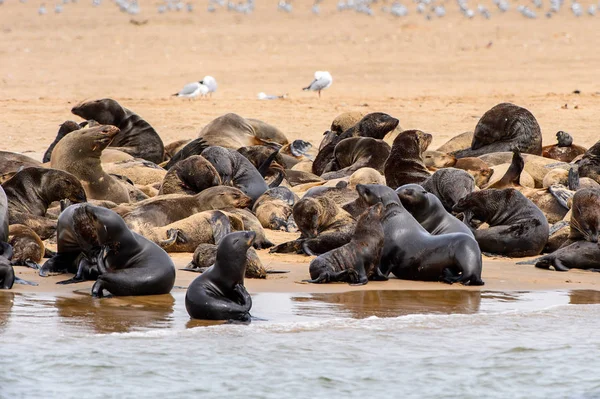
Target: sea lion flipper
[(48, 253), (559, 266), (19, 280), (73, 280), (263, 169), (561, 194), (31, 264)]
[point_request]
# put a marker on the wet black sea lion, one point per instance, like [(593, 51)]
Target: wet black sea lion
[(357, 261), (578, 255), (405, 164), (136, 136), (503, 128), (219, 292), (410, 252), (517, 227)]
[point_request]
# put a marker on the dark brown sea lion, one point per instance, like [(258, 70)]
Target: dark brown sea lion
[(167, 209), (274, 209), (428, 210), (585, 216), (28, 248), (193, 147), (219, 293), (79, 153), (357, 261), (565, 150), (589, 165), (33, 189), (375, 125), (190, 176), (503, 128), (323, 225), (268, 161), (205, 256), (354, 153), (477, 168), (405, 163), (517, 227), (578, 255), (135, 135), (410, 252), (449, 185), (65, 128)]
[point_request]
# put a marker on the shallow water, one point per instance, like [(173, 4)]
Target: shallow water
[(403, 344)]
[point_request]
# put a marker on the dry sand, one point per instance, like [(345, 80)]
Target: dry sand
[(438, 76)]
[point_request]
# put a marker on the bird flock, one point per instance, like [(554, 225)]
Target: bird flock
[(428, 8)]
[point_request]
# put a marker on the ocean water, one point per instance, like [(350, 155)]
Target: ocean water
[(360, 344)]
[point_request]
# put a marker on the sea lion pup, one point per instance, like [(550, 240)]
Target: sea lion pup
[(323, 226), (354, 153), (234, 169), (135, 136), (477, 168), (435, 160), (578, 255), (565, 150), (193, 147), (28, 248), (205, 256), (79, 153), (33, 189), (410, 252), (405, 163), (375, 125), (190, 176), (456, 143), (355, 262), (64, 129), (167, 209), (517, 227), (219, 293), (251, 223), (502, 128), (589, 165), (427, 209), (274, 209), (449, 185)]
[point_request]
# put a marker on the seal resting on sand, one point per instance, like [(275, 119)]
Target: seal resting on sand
[(219, 292), (578, 255), (354, 153)]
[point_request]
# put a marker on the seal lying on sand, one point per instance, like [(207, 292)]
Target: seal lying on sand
[(28, 248), (410, 252), (205, 256), (517, 227), (355, 262), (219, 292), (578, 255), (405, 164), (274, 209), (503, 128), (135, 135), (354, 153)]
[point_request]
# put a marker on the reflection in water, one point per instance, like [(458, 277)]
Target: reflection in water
[(387, 303), (584, 297), (119, 314), (7, 300)]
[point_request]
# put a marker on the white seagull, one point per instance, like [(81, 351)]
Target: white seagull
[(193, 90), (209, 82), (322, 81)]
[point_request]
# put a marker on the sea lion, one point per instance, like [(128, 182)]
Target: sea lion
[(585, 216), (205, 256), (435, 160), (456, 143), (190, 176), (79, 153), (556, 176), (174, 147), (219, 293), (135, 136), (477, 168), (512, 176), (136, 171), (269, 162), (251, 223), (449, 185), (428, 210), (274, 209), (345, 121), (405, 163), (64, 129), (298, 177), (33, 189), (578, 255), (167, 209), (354, 153), (323, 225), (234, 169), (7, 273), (565, 150), (517, 227), (410, 252), (191, 148), (267, 133), (230, 131), (589, 165), (375, 125), (355, 262), (505, 127), (28, 248)]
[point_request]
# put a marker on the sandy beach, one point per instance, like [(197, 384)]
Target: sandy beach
[(438, 76)]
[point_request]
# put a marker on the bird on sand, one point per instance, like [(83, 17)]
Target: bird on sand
[(209, 82), (193, 90), (322, 81)]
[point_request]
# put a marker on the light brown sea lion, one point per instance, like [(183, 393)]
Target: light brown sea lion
[(503, 128), (556, 176), (565, 150), (267, 133), (28, 248), (456, 143), (405, 164), (274, 209), (230, 131), (435, 160), (251, 223), (535, 165), (190, 176), (137, 171), (205, 256), (477, 168), (345, 121), (354, 153), (135, 136), (79, 153)]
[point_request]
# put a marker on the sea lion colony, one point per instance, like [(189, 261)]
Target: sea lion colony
[(115, 199)]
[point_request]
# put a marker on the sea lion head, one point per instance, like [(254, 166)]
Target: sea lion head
[(60, 185), (306, 214), (228, 197), (105, 111), (197, 174), (411, 143), (377, 125), (365, 176), (437, 160), (412, 196), (564, 139), (374, 193), (373, 213), (484, 204), (231, 254)]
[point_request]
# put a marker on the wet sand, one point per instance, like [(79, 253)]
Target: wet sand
[(438, 76)]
